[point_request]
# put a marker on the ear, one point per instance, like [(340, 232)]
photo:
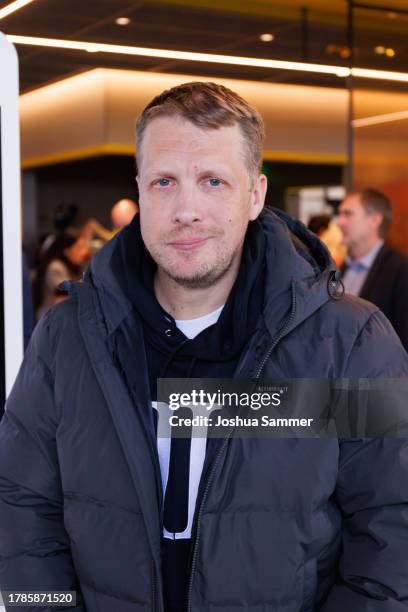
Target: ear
[(377, 220), (258, 194)]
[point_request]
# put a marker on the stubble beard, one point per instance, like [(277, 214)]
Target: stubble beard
[(203, 278)]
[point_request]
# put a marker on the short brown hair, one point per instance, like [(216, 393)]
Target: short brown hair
[(211, 106), (376, 201)]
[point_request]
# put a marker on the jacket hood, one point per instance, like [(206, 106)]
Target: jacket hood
[(135, 270), (298, 272)]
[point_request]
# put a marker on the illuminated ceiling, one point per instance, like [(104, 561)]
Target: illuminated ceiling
[(311, 31)]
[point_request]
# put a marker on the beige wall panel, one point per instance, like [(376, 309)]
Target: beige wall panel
[(298, 119), (96, 112), (64, 116), (369, 103)]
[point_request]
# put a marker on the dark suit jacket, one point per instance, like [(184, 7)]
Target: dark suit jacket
[(386, 286)]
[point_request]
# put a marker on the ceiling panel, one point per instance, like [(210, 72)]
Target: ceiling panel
[(225, 26)]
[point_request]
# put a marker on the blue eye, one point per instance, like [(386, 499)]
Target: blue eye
[(214, 182), (164, 182)]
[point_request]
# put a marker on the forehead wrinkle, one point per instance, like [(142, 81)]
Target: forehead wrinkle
[(194, 137), (184, 146), (181, 138), (195, 162), (182, 149)]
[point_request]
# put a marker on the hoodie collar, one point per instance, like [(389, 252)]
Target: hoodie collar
[(294, 258), (134, 270)]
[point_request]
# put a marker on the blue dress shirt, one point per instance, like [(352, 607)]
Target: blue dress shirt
[(358, 269)]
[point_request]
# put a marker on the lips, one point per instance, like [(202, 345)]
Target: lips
[(188, 244)]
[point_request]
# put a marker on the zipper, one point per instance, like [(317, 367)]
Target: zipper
[(73, 288), (197, 521), (197, 527)]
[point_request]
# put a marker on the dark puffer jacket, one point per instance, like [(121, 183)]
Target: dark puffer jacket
[(288, 525)]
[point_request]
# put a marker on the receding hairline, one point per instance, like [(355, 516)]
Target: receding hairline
[(208, 105)]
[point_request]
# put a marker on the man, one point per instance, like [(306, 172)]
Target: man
[(122, 213), (202, 284), (372, 269)]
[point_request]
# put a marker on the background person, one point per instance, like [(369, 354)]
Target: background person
[(65, 219), (329, 233), (122, 213), (63, 260), (373, 270), (319, 224)]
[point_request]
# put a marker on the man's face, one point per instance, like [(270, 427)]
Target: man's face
[(196, 199), (356, 223)]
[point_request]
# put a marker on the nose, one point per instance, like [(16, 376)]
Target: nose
[(340, 221), (187, 208)]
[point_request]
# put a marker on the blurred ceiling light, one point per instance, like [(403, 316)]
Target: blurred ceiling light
[(123, 21), (344, 52), (179, 55), (392, 15), (340, 50), (12, 7), (380, 50), (233, 60), (377, 119), (384, 75), (266, 37), (389, 52)]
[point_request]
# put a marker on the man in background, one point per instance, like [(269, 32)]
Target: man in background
[(122, 213), (373, 270)]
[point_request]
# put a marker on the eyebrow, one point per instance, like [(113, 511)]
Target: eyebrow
[(158, 172), (216, 172)]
